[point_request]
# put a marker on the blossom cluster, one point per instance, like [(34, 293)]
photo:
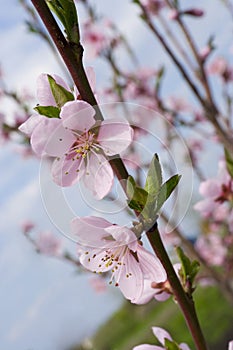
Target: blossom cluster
[(80, 147)]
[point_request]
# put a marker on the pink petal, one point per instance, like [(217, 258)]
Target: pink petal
[(92, 259), (206, 207), (147, 294), (115, 136), (131, 286), (66, 171), (78, 115), (90, 230), (230, 345), (59, 141), (44, 93), (151, 266), (161, 334), (46, 137), (184, 346), (210, 188), (147, 347), (99, 176), (123, 236), (29, 125)]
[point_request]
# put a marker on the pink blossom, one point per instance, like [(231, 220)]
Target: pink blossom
[(161, 335), (211, 248), (27, 226), (48, 244), (216, 191), (80, 153), (98, 284), (230, 345), (106, 247), (153, 6), (221, 67)]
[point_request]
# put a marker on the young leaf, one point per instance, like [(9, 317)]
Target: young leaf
[(189, 269), (229, 162), (60, 94), (48, 111), (65, 10), (137, 195), (154, 177), (166, 190)]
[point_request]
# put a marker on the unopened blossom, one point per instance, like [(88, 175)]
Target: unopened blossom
[(222, 68), (161, 335), (79, 150), (153, 6), (105, 247)]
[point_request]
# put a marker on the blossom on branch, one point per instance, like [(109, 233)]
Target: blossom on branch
[(79, 145), (105, 247)]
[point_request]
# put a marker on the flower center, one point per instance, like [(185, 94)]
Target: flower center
[(83, 145)]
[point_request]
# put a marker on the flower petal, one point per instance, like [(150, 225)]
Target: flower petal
[(129, 277), (161, 334), (99, 176), (50, 138), (115, 136), (66, 171), (184, 346), (90, 230), (147, 347), (78, 115), (44, 93), (151, 266), (123, 236), (29, 125), (93, 260)]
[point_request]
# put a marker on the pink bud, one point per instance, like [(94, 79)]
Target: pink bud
[(194, 12)]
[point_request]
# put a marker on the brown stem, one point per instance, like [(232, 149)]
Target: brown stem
[(185, 301), (73, 59)]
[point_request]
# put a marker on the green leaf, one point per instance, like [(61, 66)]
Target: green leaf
[(65, 10), (229, 162), (48, 111), (166, 190), (189, 269), (137, 195), (171, 345), (60, 94), (154, 177)]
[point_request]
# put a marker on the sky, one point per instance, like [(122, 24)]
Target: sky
[(44, 304)]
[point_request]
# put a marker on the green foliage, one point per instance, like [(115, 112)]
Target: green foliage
[(137, 195), (154, 177), (131, 324), (65, 10), (189, 270), (48, 111), (60, 94), (148, 201), (229, 162), (166, 190), (171, 345)]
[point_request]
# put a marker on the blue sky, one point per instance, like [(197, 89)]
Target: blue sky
[(43, 304)]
